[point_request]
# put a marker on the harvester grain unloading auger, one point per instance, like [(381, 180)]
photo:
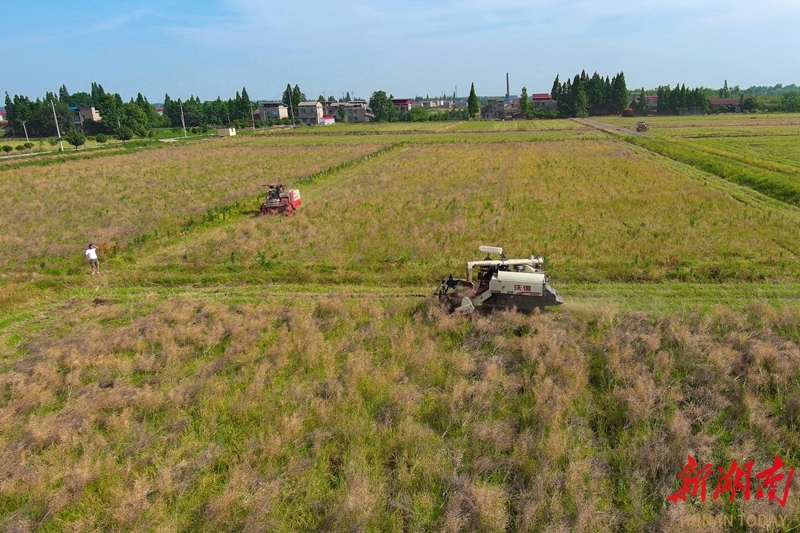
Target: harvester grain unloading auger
[(500, 284)]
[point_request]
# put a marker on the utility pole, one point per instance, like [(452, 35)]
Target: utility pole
[(58, 130), (26, 131), (183, 122), (251, 116)]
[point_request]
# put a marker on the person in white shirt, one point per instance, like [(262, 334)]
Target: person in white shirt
[(91, 255)]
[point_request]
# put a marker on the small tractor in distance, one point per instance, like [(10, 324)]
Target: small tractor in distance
[(641, 127), (280, 200), (501, 284)]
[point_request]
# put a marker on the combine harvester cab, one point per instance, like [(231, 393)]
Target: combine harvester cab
[(499, 284), (280, 200)]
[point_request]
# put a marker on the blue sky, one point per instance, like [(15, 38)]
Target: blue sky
[(212, 48)]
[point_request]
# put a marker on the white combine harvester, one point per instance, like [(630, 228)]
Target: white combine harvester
[(500, 284)]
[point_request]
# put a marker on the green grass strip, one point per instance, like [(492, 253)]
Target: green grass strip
[(311, 178), (772, 184)]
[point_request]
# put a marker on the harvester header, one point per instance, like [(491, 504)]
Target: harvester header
[(501, 284)]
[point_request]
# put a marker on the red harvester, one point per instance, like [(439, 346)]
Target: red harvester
[(280, 200)]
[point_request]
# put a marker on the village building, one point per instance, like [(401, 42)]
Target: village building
[(495, 108), (402, 105), (84, 114), (310, 113), (273, 110), (356, 112), (543, 101), (731, 105)]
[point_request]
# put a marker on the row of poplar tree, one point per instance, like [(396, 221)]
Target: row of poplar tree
[(36, 117), (583, 95)]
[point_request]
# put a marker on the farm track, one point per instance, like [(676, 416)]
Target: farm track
[(676, 295), (606, 127)]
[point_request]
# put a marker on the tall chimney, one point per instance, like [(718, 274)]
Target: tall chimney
[(508, 89)]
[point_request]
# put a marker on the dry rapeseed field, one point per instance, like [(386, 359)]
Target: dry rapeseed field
[(281, 373), (596, 210), (52, 211)]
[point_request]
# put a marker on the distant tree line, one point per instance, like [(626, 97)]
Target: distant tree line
[(117, 117), (196, 114), (670, 101), (126, 119), (36, 116), (583, 95), (775, 89)]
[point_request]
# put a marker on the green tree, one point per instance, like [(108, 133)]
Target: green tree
[(751, 103), (418, 114), (790, 102), (565, 107), (579, 100), (134, 117), (724, 92), (63, 94), (382, 107), (29, 146), (7, 149), (525, 108), (555, 91), (75, 138), (97, 93), (110, 109), (153, 119), (245, 109), (473, 105), (19, 148), (81, 99), (124, 134), (619, 94), (102, 139), (292, 98), (298, 96), (41, 122), (641, 105), (192, 112), (595, 92)]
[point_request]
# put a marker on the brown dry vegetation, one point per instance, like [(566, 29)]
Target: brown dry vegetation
[(52, 211), (350, 415)]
